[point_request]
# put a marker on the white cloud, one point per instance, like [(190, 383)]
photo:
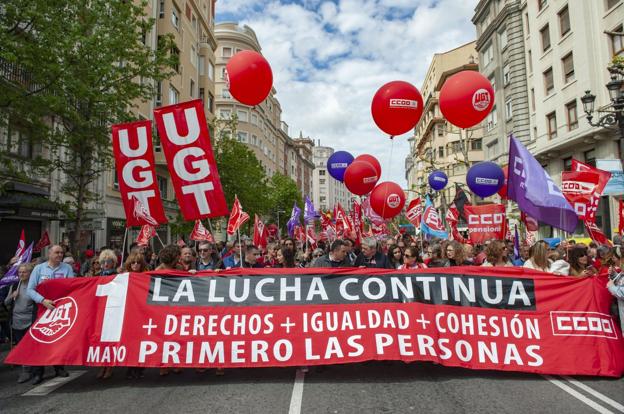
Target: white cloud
[(329, 58)]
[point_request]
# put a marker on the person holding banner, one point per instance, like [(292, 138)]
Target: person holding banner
[(370, 257), (412, 260), (54, 268), (579, 262), (495, 254), (538, 258), (135, 263), (456, 254), (208, 258), (285, 258), (337, 256)]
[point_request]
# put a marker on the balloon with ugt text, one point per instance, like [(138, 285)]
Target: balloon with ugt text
[(397, 107), (360, 177), (466, 98), (249, 76), (372, 161), (503, 190), (485, 178), (387, 199), (337, 163), (437, 180)]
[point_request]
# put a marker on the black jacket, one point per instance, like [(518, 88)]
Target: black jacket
[(379, 261)]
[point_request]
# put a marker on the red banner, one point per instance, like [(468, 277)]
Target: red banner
[(414, 212), (260, 235), (579, 188), (486, 222), (134, 160), (186, 143), (508, 319), (603, 179)]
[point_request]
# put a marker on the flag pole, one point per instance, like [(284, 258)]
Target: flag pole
[(123, 245), (158, 237), (240, 248)]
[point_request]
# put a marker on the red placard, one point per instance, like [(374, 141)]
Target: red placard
[(486, 222), (186, 143), (414, 212), (508, 319), (134, 159)]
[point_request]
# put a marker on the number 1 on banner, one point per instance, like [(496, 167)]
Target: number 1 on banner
[(115, 292)]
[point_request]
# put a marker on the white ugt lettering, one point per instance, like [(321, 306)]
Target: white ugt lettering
[(172, 129), (124, 143)]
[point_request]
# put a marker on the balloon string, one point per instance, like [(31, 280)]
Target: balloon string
[(389, 174)]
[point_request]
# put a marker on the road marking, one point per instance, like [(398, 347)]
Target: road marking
[(578, 395), (297, 393), (596, 394), (53, 384)]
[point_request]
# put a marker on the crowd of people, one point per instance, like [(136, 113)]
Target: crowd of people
[(18, 300)]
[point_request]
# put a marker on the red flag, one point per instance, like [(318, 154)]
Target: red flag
[(579, 188), (596, 234), (311, 237), (300, 235), (342, 223), (604, 177), (621, 223), (452, 217), (146, 233), (414, 212), (260, 235), (486, 222), (43, 242), (181, 243), (21, 244), (185, 140), (200, 233), (531, 237), (136, 173), (141, 215), (530, 223), (237, 217)]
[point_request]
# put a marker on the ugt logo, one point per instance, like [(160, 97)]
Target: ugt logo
[(393, 200), (54, 324), (481, 99)]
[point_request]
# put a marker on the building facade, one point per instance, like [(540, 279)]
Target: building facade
[(569, 46), (327, 191), (502, 57), (436, 144)]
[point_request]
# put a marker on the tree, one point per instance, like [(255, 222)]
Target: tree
[(283, 193), (85, 65)]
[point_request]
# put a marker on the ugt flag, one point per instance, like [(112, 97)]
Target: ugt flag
[(531, 187), (431, 224)]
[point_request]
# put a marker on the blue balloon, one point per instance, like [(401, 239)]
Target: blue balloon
[(338, 163), (438, 180), (485, 178)]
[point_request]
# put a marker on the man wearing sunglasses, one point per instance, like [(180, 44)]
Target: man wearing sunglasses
[(207, 258)]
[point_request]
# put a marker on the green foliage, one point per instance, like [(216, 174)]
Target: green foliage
[(283, 192)]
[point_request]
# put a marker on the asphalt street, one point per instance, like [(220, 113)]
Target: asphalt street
[(374, 387)]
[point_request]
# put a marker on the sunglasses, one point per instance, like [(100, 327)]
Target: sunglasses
[(409, 256), (204, 250), (317, 255), (135, 263)]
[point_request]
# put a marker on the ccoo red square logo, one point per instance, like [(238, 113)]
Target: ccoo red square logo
[(582, 324)]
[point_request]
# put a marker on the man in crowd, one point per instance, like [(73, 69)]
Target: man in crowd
[(524, 256), (335, 258), (207, 258), (234, 258), (351, 256), (251, 257), (54, 268), (187, 259), (371, 257)]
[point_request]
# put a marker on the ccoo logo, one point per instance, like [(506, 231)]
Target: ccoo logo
[(481, 99), (56, 323)]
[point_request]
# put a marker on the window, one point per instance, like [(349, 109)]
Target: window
[(590, 157), (530, 61), (161, 9), (508, 110), (568, 68), (534, 132), (549, 83), (321, 172), (223, 73), (545, 35), (193, 56), (506, 75), (242, 115), (175, 17), (254, 140), (617, 42), (611, 3), (533, 99), (225, 94), (322, 181), (491, 120), (440, 152), (476, 145), (211, 71), (192, 88), (227, 52), (440, 129), (564, 21), (503, 39), (551, 122), (242, 136), (224, 114), (162, 186), (526, 23), (174, 95), (202, 95), (488, 55), (254, 119), (175, 52), (567, 164), (210, 102), (158, 93), (115, 178), (541, 4), (492, 80), (194, 23), (492, 149)]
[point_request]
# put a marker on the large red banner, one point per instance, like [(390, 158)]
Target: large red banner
[(184, 137), (486, 222), (497, 318), (134, 159)]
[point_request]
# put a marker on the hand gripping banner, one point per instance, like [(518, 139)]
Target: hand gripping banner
[(507, 319), (134, 159), (184, 137)]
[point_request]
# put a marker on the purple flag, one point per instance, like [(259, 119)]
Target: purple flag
[(531, 187), (11, 276), (294, 220), (516, 243), (309, 214)]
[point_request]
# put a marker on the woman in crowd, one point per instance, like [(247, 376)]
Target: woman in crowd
[(285, 258), (271, 257), (23, 312), (579, 262), (495, 254), (558, 265), (135, 263), (412, 260), (169, 256), (395, 256), (95, 268), (108, 263), (455, 254), (436, 256), (538, 258)]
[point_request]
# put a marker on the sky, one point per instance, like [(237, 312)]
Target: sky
[(330, 57)]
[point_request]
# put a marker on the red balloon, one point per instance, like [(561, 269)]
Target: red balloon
[(503, 191), (387, 199), (372, 161), (466, 98), (360, 177), (397, 107), (250, 77)]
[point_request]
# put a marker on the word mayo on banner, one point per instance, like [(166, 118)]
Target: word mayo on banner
[(186, 143), (501, 319), (134, 159)]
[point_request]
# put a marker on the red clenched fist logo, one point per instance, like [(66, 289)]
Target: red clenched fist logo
[(54, 324)]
